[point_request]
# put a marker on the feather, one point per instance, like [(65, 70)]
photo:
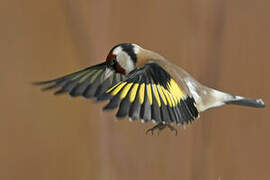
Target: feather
[(123, 108), (135, 109), (89, 82)]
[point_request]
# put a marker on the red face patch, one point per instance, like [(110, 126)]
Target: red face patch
[(110, 58), (111, 61)]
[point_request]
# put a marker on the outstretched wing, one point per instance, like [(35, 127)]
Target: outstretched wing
[(150, 93), (89, 82)]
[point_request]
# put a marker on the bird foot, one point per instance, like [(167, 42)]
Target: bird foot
[(159, 127)]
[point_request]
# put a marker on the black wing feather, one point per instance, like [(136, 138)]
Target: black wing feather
[(88, 82), (123, 108)]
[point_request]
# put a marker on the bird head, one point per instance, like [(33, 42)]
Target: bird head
[(122, 58)]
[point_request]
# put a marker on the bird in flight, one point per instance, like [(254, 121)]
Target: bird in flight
[(143, 85)]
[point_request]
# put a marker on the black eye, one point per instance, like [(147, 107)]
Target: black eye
[(113, 61)]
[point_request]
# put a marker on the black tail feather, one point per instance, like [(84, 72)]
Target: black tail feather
[(257, 103)]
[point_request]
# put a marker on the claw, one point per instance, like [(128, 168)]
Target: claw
[(150, 130), (156, 127), (172, 129), (160, 127)]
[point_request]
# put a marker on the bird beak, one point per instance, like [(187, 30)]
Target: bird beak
[(108, 73)]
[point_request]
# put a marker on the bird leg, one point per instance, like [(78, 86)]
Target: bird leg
[(160, 127), (172, 129)]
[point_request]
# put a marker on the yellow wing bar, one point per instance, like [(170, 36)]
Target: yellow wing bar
[(170, 96)]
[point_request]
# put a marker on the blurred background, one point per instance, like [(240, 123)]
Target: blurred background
[(223, 44)]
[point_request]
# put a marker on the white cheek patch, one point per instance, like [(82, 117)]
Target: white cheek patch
[(125, 61), (117, 50)]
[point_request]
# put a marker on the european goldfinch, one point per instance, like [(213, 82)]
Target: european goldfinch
[(144, 85)]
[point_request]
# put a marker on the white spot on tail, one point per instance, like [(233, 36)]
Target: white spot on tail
[(260, 101)]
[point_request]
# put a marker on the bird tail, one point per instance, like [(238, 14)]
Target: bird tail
[(251, 102), (219, 98)]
